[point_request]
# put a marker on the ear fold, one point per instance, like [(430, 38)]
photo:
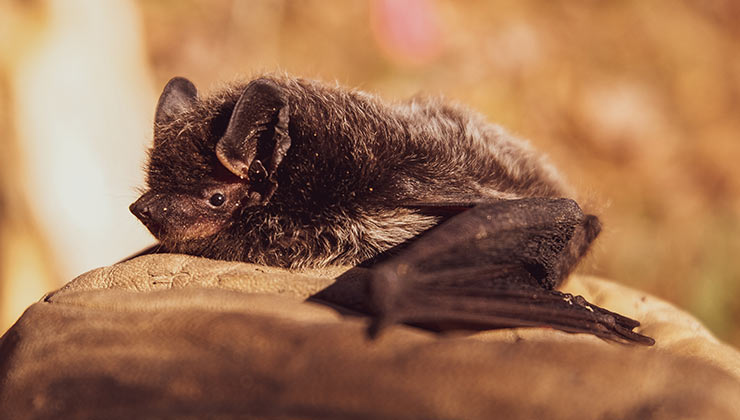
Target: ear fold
[(178, 96), (261, 113)]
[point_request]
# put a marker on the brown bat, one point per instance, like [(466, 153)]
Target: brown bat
[(463, 225)]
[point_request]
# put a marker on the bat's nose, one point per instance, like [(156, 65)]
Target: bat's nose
[(146, 210), (142, 210)]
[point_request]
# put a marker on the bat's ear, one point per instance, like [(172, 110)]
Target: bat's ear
[(178, 96), (260, 115)]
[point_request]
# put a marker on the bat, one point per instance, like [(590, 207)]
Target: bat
[(463, 225)]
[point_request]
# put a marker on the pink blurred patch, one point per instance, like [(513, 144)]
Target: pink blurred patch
[(407, 32)]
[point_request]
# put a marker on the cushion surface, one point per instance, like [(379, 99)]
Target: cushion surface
[(175, 336)]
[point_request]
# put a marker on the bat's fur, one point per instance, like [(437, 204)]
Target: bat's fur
[(353, 162)]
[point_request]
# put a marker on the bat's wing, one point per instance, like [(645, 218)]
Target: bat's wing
[(494, 266)]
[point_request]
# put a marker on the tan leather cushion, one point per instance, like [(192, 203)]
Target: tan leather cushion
[(166, 336)]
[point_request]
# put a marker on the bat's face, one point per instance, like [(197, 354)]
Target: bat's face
[(203, 169), (176, 215)]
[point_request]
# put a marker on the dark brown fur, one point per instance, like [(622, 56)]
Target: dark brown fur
[(353, 163)]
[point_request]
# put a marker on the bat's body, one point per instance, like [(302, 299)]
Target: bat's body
[(294, 173)]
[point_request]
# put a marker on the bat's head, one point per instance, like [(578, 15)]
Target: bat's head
[(212, 159)]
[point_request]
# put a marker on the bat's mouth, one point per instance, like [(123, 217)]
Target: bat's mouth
[(155, 228)]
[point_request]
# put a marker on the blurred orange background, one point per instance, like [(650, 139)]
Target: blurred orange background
[(636, 102)]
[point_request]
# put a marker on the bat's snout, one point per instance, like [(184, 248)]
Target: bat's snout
[(142, 210)]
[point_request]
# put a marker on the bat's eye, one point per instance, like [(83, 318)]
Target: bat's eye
[(217, 199)]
